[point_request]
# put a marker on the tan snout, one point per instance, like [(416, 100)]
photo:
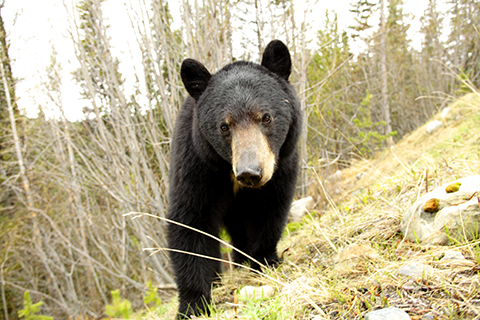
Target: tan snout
[(253, 161)]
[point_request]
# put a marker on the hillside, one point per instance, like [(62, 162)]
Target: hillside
[(345, 262), (86, 139)]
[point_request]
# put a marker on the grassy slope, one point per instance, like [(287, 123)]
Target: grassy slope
[(367, 214)]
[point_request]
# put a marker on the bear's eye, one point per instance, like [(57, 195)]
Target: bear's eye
[(266, 118), (224, 128)]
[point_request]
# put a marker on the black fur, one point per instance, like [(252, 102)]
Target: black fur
[(277, 58), (201, 189), (195, 77)]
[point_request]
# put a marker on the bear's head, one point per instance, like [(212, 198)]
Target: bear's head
[(245, 112)]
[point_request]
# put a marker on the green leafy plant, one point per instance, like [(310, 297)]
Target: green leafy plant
[(151, 298), (271, 310), (119, 308), (292, 227), (30, 309), (368, 139)]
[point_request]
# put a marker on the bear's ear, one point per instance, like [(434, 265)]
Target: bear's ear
[(276, 58), (195, 77)]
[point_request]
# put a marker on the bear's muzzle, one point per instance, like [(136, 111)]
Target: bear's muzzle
[(253, 161)]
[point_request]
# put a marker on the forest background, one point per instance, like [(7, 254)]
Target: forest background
[(66, 186)]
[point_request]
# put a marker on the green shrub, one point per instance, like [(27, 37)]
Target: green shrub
[(29, 311), (119, 308)]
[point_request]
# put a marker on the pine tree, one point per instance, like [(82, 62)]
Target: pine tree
[(432, 22), (431, 60), (98, 63), (363, 10), (400, 61), (464, 38)]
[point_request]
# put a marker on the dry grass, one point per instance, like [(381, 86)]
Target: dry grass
[(312, 283)]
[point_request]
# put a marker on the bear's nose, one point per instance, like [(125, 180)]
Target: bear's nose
[(249, 177)]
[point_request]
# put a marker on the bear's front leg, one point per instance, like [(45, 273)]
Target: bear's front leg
[(258, 217), (255, 224), (193, 274), (198, 199)]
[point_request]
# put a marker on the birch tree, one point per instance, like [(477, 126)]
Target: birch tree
[(383, 68)]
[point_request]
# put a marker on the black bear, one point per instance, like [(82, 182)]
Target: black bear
[(234, 164)]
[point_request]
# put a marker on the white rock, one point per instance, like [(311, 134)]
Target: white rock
[(250, 292), (445, 112), (452, 255), (390, 313), (300, 208), (336, 177), (264, 291), (455, 260), (416, 270), (455, 214), (247, 292), (433, 126)]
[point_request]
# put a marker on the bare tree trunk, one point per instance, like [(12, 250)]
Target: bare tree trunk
[(304, 136), (259, 29), (384, 74), (16, 141), (298, 47)]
